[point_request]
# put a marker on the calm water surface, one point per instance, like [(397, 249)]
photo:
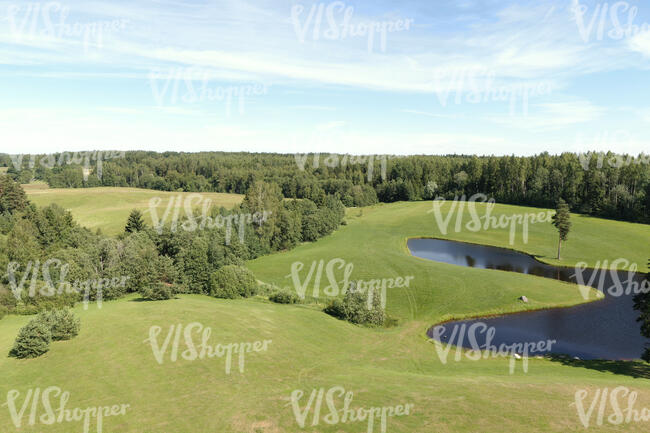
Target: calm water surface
[(605, 329)]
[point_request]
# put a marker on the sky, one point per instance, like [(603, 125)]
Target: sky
[(486, 77)]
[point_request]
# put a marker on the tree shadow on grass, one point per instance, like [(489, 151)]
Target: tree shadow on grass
[(634, 369), (151, 300)]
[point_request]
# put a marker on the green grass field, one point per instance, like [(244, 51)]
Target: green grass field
[(375, 244), (108, 208), (110, 363)]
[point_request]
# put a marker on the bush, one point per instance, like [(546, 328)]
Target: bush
[(33, 340), (63, 324), (7, 299), (3, 311), (280, 297), (38, 303), (232, 282), (336, 309), (158, 292), (355, 309)]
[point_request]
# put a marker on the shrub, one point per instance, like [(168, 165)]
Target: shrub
[(232, 282), (158, 292), (33, 340), (281, 297), (7, 299), (3, 311), (355, 309), (63, 324), (336, 309), (107, 288), (37, 303)]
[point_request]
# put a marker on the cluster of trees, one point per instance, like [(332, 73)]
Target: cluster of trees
[(156, 264), (605, 185), (34, 339), (355, 307)]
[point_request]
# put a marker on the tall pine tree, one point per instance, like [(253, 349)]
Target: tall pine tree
[(135, 223), (562, 223), (12, 195)]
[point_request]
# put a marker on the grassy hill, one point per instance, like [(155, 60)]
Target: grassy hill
[(109, 208), (375, 244), (110, 362)]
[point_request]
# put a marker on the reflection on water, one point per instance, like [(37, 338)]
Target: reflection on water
[(604, 329)]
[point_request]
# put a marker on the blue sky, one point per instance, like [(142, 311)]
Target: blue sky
[(437, 77)]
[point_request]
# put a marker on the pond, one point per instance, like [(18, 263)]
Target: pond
[(604, 329)]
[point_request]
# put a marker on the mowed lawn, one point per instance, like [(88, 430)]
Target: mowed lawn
[(108, 208), (375, 245), (110, 362)]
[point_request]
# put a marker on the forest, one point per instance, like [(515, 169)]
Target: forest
[(53, 262), (604, 185)]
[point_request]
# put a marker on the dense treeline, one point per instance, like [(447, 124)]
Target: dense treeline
[(52, 262), (604, 185)]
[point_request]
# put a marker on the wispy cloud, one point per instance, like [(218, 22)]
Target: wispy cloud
[(336, 85), (428, 114), (641, 43), (313, 107), (552, 115)]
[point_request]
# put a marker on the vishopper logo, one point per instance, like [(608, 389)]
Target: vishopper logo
[(339, 284), (335, 161), (189, 223), (615, 21), (634, 284), (487, 221), (619, 139), (619, 403), (470, 334), (171, 346), (85, 159), (614, 161), (29, 21), (339, 25), (346, 414), (479, 85), (50, 288), (193, 85), (53, 414)]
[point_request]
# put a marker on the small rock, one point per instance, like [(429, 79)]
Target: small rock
[(523, 299)]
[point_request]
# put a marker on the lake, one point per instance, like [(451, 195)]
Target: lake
[(604, 329)]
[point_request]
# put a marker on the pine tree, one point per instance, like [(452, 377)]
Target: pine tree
[(12, 195), (135, 223), (562, 223)]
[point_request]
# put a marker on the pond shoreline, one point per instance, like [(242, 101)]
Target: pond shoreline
[(551, 320)]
